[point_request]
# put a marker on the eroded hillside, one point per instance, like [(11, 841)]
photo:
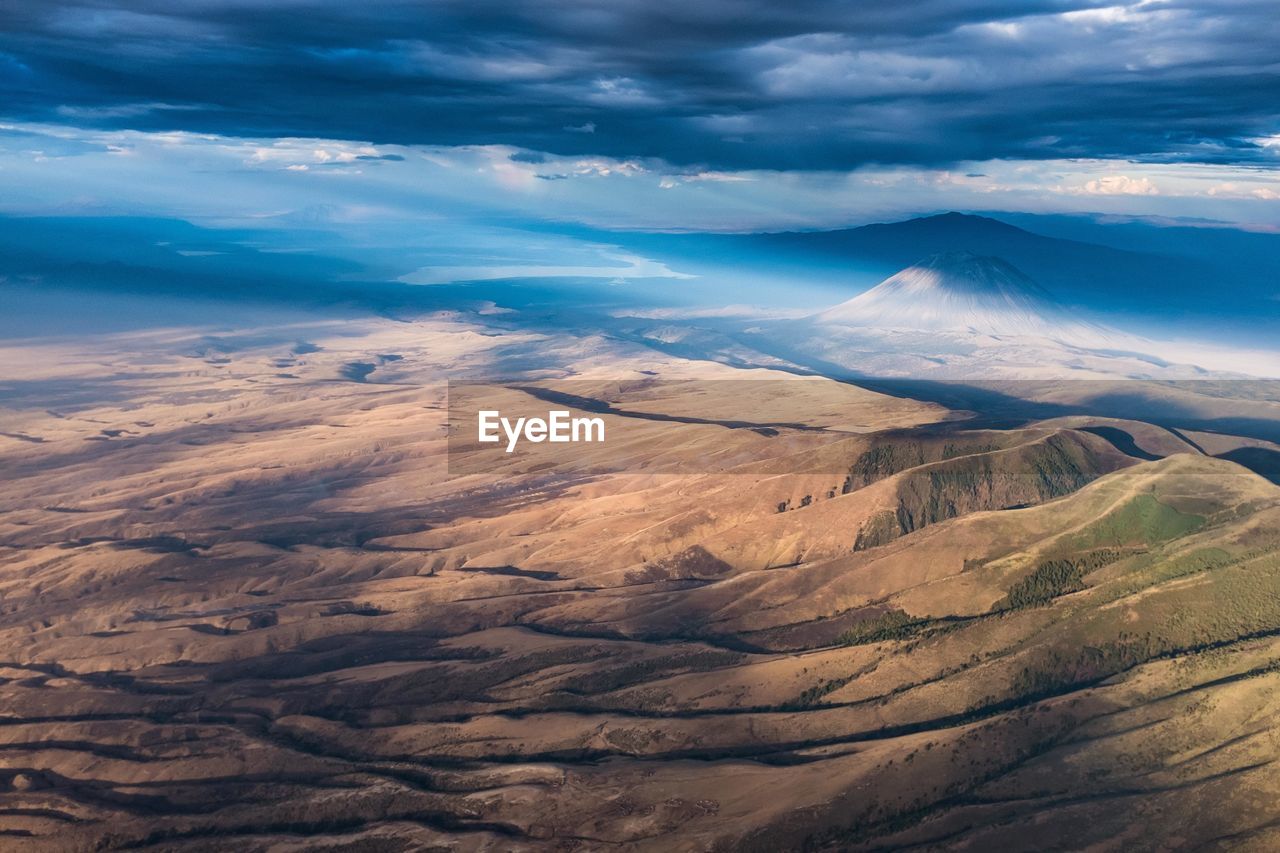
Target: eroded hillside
[(242, 608)]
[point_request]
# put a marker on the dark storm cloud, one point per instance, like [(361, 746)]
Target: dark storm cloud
[(749, 83)]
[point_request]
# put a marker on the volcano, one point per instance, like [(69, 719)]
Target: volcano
[(961, 315), (958, 292)]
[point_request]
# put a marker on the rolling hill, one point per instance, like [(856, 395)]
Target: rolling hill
[(246, 598)]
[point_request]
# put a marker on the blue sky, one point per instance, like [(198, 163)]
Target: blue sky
[(463, 136)]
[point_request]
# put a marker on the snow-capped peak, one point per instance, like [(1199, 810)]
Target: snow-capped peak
[(957, 291)]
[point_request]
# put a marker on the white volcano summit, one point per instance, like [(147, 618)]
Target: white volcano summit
[(961, 292), (960, 315)]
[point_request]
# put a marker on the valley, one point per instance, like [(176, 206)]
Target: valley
[(293, 612)]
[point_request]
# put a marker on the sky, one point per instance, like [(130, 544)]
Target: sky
[(468, 135)]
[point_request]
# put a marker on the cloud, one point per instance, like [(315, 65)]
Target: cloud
[(668, 182), (723, 85), (619, 91), (1119, 185), (53, 169), (602, 168), (118, 111), (1231, 189), (617, 268)]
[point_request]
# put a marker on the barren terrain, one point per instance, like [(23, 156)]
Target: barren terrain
[(245, 595)]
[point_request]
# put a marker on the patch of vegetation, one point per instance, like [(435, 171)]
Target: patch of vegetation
[(694, 562), (814, 694), (1041, 473), (951, 450), (883, 460), (881, 529), (889, 625), (1154, 569), (1144, 519), (889, 458), (350, 608), (1193, 563), (1047, 582), (1059, 469), (1059, 670), (1053, 578)]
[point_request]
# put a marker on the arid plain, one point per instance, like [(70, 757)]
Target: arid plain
[(245, 598)]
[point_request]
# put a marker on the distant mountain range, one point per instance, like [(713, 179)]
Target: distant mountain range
[(1075, 272), (1205, 283), (959, 315), (1202, 272), (954, 316)]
